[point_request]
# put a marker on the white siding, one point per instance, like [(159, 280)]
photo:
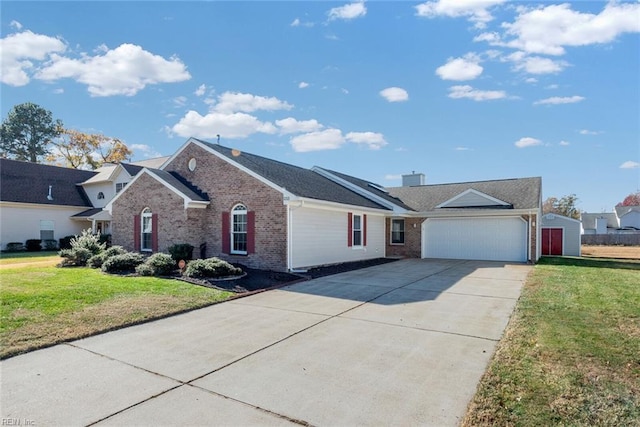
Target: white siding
[(92, 190), (484, 238), (319, 237), (20, 223), (631, 219)]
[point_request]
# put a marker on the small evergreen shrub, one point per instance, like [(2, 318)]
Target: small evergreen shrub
[(162, 264), (50, 245), (89, 241), (33, 245), (181, 251), (145, 270), (15, 247), (106, 239), (96, 261), (211, 268), (123, 263), (65, 242), (75, 257)]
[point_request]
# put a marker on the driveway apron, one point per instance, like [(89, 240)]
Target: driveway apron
[(403, 343)]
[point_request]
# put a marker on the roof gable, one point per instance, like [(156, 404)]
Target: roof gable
[(25, 182), (191, 197), (520, 193), (471, 198)]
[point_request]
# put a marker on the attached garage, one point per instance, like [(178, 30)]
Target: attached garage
[(478, 238)]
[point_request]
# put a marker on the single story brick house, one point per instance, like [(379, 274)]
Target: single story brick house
[(263, 213)]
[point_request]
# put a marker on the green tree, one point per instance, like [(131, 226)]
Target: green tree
[(78, 150), (27, 132), (565, 206)]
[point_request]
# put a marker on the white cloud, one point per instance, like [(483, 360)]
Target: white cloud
[(230, 102), (15, 24), (328, 139), (124, 70), (466, 68), (630, 165), (554, 100), (146, 151), (589, 132), (476, 11), (394, 94), (58, 91), (201, 90), (348, 11), (535, 64), (553, 86), (462, 148), (303, 85), (291, 125), (18, 52), (527, 142), (547, 30), (298, 23), (295, 23), (180, 101), (565, 143), (466, 91), (391, 177), (228, 125), (373, 140), (345, 91)]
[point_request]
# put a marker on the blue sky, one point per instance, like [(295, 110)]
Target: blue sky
[(460, 91)]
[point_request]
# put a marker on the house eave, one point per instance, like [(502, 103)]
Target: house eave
[(323, 204), (462, 213)]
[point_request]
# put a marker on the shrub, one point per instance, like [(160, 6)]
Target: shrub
[(162, 264), (15, 247), (65, 242), (96, 261), (145, 270), (89, 241), (123, 263), (181, 251), (211, 268), (74, 257), (106, 239), (33, 245), (50, 245)]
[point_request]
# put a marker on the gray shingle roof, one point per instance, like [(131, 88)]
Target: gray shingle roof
[(87, 213), (299, 181), (180, 184), (372, 188), (26, 182), (522, 193)]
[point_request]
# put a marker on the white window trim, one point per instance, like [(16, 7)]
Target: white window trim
[(353, 231), (146, 213), (404, 231), (237, 211)]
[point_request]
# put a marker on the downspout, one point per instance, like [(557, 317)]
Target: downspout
[(289, 239), (529, 257)]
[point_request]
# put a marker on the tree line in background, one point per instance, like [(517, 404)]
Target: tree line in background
[(29, 133)]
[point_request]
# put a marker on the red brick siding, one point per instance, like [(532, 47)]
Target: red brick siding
[(412, 247), (227, 186)]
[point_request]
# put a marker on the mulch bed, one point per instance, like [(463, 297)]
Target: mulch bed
[(255, 280)]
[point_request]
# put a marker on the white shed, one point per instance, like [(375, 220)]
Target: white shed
[(560, 235)]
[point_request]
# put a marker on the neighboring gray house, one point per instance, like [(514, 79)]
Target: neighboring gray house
[(623, 220), (629, 217), (560, 235)]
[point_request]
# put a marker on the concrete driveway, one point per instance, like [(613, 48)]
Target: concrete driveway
[(403, 343)]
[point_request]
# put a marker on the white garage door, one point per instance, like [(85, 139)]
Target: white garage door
[(497, 239)]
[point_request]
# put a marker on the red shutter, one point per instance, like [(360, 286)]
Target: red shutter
[(136, 232), (226, 233), (349, 229), (251, 232), (364, 230), (154, 232)]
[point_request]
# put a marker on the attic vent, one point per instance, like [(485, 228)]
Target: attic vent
[(378, 187)]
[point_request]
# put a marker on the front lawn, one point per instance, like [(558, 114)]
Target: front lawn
[(571, 352), (41, 306)]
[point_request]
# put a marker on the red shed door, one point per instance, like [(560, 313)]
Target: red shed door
[(552, 241)]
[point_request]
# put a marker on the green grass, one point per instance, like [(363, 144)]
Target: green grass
[(41, 306), (12, 257), (571, 352)]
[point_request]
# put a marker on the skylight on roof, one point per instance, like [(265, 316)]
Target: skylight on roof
[(378, 187)]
